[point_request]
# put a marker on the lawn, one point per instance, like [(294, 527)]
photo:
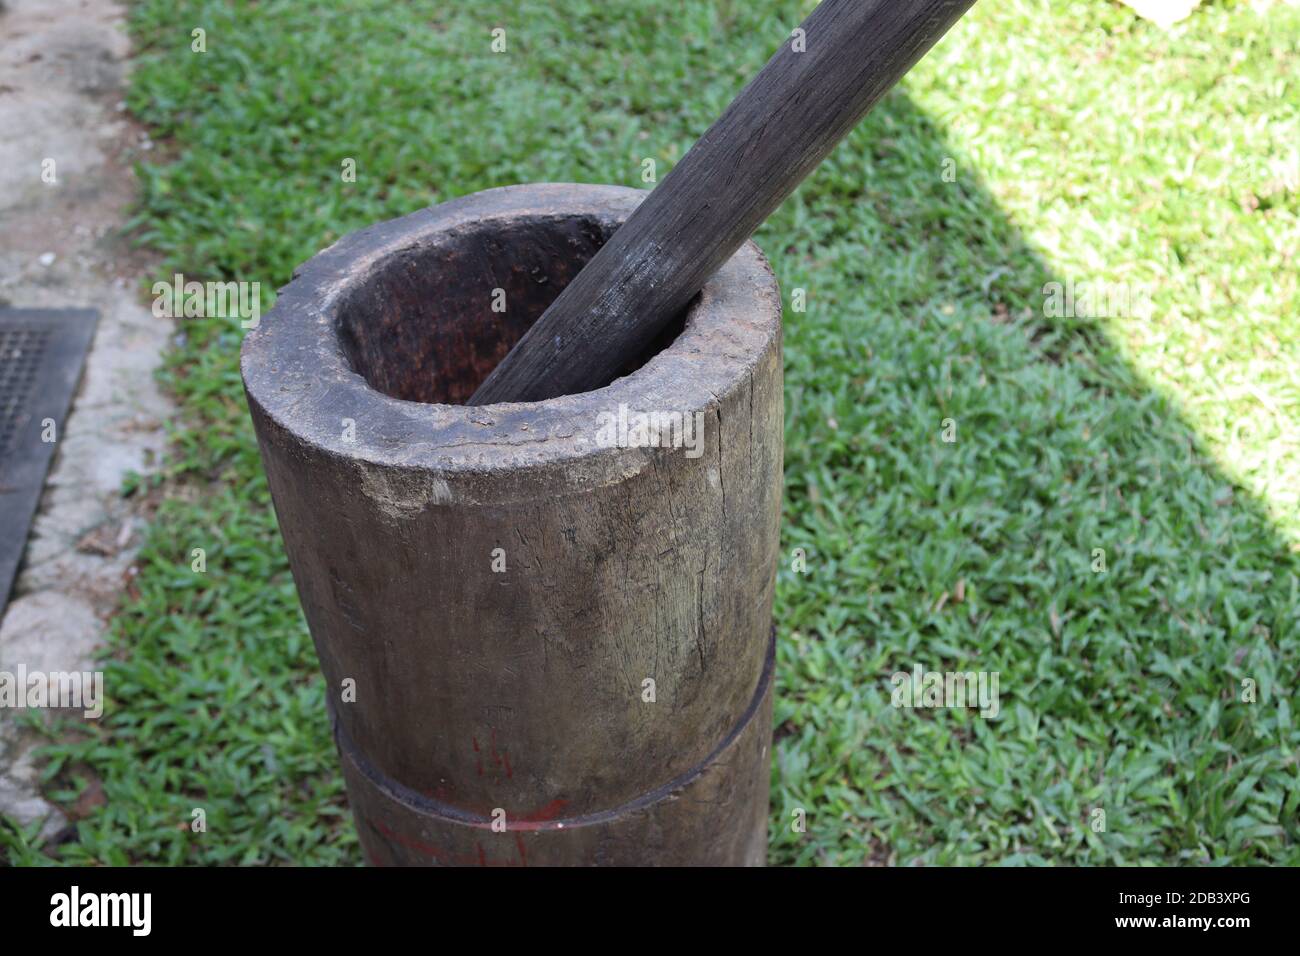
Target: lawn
[(1040, 143)]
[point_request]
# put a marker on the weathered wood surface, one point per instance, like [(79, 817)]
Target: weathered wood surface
[(777, 130), (523, 691)]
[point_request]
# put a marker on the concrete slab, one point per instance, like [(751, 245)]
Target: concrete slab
[(62, 70)]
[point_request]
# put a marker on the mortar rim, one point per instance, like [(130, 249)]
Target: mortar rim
[(297, 376)]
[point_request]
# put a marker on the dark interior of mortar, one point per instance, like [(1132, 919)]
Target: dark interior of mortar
[(422, 327)]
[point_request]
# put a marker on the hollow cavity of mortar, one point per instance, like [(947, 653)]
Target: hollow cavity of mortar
[(434, 321)]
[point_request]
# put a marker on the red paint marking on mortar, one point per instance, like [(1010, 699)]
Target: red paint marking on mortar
[(538, 819), (503, 758), (419, 846), (548, 812), (528, 823), (437, 853), (441, 793)]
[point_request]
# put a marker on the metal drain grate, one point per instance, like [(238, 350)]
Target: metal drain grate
[(21, 352), (41, 354)]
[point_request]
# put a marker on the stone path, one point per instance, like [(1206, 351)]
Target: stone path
[(62, 70)]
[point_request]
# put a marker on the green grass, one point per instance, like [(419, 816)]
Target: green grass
[(1087, 146)]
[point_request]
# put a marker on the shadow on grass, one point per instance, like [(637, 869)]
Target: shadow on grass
[(1075, 537)]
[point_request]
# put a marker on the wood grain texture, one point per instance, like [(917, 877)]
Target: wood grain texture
[(521, 688), (780, 127)]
